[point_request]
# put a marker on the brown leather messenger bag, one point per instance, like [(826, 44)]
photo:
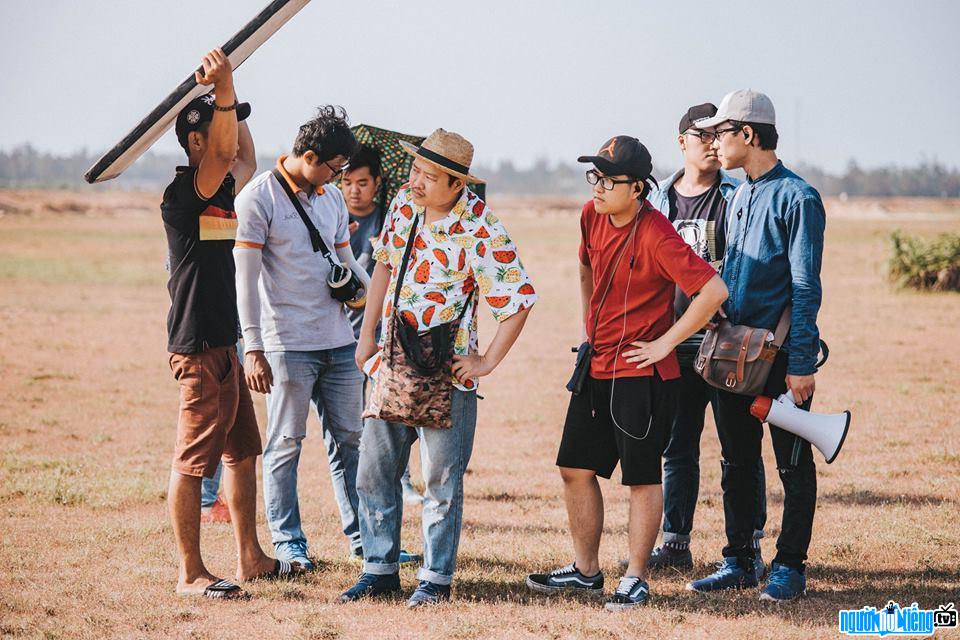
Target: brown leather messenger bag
[(738, 358)]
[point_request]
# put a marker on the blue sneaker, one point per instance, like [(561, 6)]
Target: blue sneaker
[(295, 551), (729, 575), (785, 583), (428, 593), (406, 558), (371, 585)]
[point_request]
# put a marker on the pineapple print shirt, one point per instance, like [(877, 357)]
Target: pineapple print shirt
[(467, 250)]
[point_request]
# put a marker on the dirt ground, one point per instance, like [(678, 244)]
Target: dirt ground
[(88, 409)]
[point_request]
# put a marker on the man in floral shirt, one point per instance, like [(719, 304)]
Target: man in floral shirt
[(460, 247)]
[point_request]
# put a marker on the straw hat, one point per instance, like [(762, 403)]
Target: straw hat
[(448, 151)]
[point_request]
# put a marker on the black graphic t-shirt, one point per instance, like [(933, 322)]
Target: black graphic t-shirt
[(700, 220), (202, 286)]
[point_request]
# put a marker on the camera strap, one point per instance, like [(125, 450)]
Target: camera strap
[(315, 239)]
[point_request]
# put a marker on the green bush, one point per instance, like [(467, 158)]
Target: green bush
[(926, 263)]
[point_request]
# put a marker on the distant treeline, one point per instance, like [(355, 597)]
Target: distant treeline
[(26, 167)]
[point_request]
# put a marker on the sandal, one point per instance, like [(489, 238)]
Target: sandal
[(225, 590)]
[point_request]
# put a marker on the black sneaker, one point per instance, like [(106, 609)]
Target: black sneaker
[(667, 557), (566, 578), (631, 592), (428, 593), (371, 585)]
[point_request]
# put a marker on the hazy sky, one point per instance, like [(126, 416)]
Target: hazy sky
[(875, 81)]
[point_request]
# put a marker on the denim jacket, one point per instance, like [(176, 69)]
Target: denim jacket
[(661, 202), (774, 250)]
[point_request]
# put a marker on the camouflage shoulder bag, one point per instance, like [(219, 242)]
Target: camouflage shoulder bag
[(414, 382)]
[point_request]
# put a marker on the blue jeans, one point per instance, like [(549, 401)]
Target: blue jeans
[(681, 460), (329, 380), (210, 487), (444, 455)]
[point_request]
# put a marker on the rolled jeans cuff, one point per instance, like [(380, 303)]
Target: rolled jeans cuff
[(381, 569), (676, 537), (758, 534), (433, 576)]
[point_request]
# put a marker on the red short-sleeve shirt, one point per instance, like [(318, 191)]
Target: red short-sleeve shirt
[(639, 304)]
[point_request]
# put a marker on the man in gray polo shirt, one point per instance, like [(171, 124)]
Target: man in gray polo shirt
[(298, 340)]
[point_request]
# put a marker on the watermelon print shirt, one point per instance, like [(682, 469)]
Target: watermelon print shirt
[(467, 250)]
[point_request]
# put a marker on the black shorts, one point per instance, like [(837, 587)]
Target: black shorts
[(632, 429)]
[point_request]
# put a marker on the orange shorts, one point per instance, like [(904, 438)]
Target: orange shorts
[(216, 412)]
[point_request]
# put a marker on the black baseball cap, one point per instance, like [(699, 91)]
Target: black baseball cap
[(623, 155), (199, 111), (698, 112)]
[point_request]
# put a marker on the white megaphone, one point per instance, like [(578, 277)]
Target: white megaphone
[(824, 431)]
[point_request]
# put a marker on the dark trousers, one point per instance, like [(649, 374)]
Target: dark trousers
[(681, 460), (740, 435)]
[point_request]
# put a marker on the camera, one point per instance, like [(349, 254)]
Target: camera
[(346, 287)]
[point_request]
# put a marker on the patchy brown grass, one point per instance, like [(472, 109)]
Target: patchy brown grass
[(87, 412)]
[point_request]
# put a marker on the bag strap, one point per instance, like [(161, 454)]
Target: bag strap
[(613, 268), (783, 326), (403, 263), (315, 239)]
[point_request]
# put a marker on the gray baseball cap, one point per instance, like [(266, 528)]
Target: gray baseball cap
[(744, 105)]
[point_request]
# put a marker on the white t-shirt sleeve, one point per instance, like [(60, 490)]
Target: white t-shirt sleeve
[(253, 218), (342, 237)]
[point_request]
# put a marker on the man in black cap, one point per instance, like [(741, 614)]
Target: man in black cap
[(695, 200), (622, 412), (216, 413)]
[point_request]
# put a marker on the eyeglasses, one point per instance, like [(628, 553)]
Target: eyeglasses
[(706, 137), (719, 132), (606, 182), (337, 172)]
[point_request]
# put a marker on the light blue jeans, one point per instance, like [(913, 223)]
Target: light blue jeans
[(329, 380), (444, 455), (210, 488)]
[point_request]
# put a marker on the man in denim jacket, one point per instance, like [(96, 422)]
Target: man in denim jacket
[(772, 261), (695, 199)]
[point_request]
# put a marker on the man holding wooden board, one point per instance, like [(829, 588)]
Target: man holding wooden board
[(216, 412)]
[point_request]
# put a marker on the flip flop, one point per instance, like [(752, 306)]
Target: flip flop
[(225, 590), (282, 569)]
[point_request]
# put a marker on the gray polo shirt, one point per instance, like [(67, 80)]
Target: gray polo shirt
[(297, 312)]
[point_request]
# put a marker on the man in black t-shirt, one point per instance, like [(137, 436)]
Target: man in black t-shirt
[(695, 199), (216, 412)]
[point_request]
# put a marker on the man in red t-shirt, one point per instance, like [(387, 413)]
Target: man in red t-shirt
[(631, 261)]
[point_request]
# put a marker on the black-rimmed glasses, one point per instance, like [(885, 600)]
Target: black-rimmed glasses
[(606, 182), (336, 172), (719, 132), (706, 137)]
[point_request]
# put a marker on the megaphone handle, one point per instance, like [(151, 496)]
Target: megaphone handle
[(824, 352)]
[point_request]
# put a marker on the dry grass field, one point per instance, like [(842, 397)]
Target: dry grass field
[(88, 408)]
